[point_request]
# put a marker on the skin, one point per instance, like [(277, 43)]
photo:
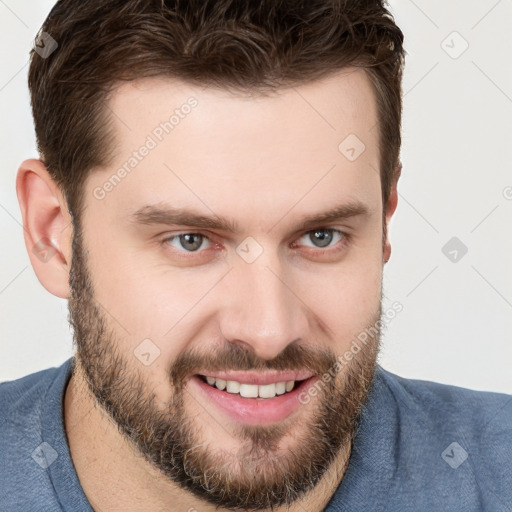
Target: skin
[(266, 163)]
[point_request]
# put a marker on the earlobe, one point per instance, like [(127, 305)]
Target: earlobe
[(47, 226)]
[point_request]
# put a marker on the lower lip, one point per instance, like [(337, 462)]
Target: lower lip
[(254, 411)]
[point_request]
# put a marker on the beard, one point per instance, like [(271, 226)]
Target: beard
[(258, 476)]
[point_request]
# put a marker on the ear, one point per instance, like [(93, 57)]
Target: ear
[(390, 210), (47, 226)]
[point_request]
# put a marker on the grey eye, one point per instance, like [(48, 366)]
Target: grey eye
[(191, 242), (323, 237)]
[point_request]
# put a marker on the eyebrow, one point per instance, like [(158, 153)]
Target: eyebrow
[(167, 215)]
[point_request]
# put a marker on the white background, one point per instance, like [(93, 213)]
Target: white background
[(456, 325)]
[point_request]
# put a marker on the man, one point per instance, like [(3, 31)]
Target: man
[(213, 195)]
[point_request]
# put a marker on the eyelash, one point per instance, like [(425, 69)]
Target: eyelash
[(330, 249)]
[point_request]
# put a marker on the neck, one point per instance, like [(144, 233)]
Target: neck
[(115, 477)]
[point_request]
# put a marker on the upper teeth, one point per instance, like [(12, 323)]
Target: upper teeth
[(252, 390)]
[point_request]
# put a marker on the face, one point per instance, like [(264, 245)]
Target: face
[(220, 274)]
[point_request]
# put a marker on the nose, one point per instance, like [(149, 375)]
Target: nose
[(260, 308)]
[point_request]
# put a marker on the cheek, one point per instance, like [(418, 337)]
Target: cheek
[(144, 299), (346, 296)]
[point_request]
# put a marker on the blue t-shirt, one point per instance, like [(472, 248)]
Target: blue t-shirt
[(420, 447)]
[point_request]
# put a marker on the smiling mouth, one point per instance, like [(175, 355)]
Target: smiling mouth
[(245, 390)]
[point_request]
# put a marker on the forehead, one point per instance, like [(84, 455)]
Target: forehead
[(340, 102), (315, 142)]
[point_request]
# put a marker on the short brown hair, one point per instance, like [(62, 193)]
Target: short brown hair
[(225, 43)]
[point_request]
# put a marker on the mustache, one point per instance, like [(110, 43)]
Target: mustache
[(233, 357)]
